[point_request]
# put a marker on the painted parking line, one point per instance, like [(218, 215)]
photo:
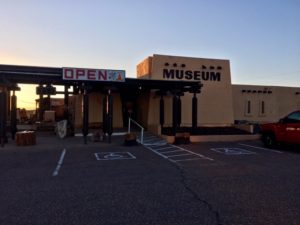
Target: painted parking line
[(185, 156), (160, 149), (172, 151), (60, 162), (266, 149), (200, 155), (192, 159), (232, 151), (171, 156), (114, 155)]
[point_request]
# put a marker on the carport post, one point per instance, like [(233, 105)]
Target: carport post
[(161, 111), (194, 113), (41, 104), (13, 115), (175, 114), (178, 111), (3, 107), (104, 116), (109, 115), (85, 127), (66, 101)]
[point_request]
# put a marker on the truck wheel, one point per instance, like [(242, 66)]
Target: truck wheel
[(269, 140)]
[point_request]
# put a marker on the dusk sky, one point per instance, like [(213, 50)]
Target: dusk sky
[(260, 38)]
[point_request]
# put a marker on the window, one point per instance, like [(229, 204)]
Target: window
[(248, 109), (262, 108), (293, 117)]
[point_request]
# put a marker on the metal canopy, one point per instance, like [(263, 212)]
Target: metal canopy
[(13, 74)]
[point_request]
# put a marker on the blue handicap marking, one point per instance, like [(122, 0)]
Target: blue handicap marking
[(113, 155), (232, 151)]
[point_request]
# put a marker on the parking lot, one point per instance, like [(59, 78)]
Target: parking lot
[(67, 182)]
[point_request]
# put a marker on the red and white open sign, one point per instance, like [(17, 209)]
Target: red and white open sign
[(93, 74)]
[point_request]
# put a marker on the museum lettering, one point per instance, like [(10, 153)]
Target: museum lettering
[(191, 75)]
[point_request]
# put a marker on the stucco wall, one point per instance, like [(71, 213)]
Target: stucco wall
[(95, 110), (279, 101), (144, 68), (215, 105)]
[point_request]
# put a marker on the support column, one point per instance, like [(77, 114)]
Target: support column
[(66, 101), (8, 105), (194, 113), (161, 111), (175, 114), (41, 104), (13, 115), (3, 112), (85, 127), (109, 115), (178, 111), (104, 120)]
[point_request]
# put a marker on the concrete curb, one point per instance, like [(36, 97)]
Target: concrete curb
[(216, 138)]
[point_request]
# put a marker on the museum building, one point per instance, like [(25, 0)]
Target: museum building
[(169, 92)]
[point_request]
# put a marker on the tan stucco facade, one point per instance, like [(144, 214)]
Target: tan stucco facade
[(261, 104), (219, 104), (215, 106), (96, 110)]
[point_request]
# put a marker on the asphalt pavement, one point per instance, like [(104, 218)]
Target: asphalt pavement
[(67, 182)]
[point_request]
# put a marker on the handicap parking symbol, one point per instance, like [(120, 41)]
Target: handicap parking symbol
[(232, 151), (113, 155)]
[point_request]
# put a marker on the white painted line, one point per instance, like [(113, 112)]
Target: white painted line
[(172, 151), (178, 155), (165, 157), (97, 157), (114, 155), (179, 160), (232, 151), (202, 156), (131, 155), (159, 149), (59, 164), (266, 149)]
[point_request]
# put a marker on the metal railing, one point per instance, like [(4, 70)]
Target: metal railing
[(136, 123)]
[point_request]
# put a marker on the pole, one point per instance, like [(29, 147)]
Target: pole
[(85, 129), (13, 116), (161, 111), (2, 117), (110, 116), (175, 114), (194, 113)]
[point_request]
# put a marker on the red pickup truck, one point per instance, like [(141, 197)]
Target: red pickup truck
[(287, 130)]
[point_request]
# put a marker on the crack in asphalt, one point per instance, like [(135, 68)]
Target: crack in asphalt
[(183, 181)]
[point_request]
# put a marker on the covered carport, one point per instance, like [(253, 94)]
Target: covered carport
[(47, 77)]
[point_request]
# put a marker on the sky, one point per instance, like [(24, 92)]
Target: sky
[(261, 38)]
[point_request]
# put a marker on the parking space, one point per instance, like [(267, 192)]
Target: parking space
[(234, 148), (68, 182)]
